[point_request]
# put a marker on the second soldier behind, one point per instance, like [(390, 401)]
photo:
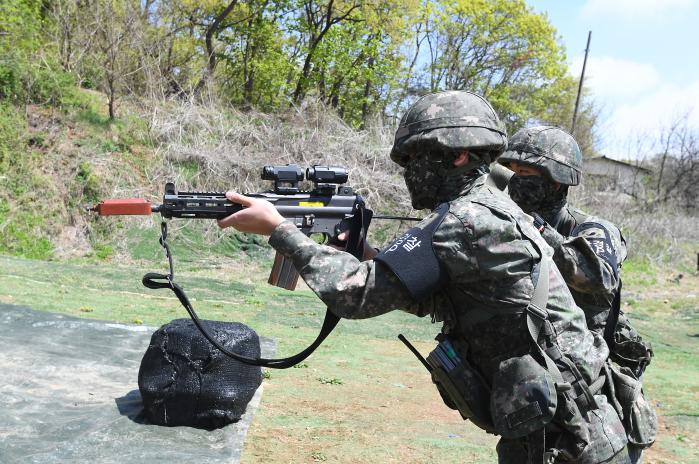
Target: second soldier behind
[(589, 251)]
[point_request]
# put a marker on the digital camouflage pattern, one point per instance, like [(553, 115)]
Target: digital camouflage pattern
[(548, 148), (592, 276), (589, 252), (490, 253), (488, 248), (431, 183), (489, 261), (433, 132), (535, 193), (443, 123)]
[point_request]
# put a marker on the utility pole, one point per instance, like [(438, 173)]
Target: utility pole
[(580, 84)]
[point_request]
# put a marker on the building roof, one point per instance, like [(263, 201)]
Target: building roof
[(623, 163)]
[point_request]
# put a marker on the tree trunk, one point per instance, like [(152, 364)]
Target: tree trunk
[(112, 98), (367, 91), (209, 41)]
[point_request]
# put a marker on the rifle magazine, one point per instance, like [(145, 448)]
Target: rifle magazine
[(283, 273)]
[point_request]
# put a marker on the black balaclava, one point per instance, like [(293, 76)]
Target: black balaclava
[(432, 182), (538, 194)]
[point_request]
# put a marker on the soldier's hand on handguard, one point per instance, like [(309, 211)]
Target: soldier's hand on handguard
[(258, 216), (368, 252)]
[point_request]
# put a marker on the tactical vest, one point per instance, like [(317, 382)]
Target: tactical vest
[(497, 340)]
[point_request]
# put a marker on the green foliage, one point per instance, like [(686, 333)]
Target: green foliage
[(361, 58), (29, 69), (188, 169), (89, 181), (19, 234), (640, 271), (329, 381), (12, 127), (103, 251), (501, 49), (22, 215), (20, 25), (257, 66)]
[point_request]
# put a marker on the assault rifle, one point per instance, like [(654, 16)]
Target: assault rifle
[(329, 209)]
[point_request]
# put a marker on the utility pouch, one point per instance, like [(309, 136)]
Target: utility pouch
[(639, 418), (631, 353), (460, 385), (607, 435), (524, 397)]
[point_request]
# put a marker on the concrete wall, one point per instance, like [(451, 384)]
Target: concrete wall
[(606, 174)]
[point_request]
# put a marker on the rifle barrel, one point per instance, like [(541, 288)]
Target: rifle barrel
[(400, 218)]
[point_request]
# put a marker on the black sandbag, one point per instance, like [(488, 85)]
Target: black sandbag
[(185, 380)]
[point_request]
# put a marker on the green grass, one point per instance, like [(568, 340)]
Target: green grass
[(194, 241), (639, 272), (362, 397), (115, 293), (23, 217)]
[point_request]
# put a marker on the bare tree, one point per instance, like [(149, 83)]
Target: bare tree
[(115, 41), (675, 160), (678, 174)]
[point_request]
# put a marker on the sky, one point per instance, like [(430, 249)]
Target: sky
[(643, 66)]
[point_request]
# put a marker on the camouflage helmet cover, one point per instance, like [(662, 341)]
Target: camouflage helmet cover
[(548, 148), (447, 121)]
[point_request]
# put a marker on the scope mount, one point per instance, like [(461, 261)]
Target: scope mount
[(286, 178)]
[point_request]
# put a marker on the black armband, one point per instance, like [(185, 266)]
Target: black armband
[(601, 242), (413, 260)]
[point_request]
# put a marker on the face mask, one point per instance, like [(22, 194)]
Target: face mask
[(423, 182), (431, 182), (532, 193)]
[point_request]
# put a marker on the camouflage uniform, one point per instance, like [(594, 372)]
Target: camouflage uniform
[(489, 256), (589, 251)]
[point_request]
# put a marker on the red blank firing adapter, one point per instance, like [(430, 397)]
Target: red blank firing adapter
[(123, 207)]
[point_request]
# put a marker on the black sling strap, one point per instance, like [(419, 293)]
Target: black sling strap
[(613, 319), (359, 224)]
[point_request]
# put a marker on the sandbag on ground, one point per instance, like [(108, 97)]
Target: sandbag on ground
[(69, 394), (185, 380)]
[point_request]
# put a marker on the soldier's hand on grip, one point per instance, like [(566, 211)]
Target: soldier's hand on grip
[(257, 217)]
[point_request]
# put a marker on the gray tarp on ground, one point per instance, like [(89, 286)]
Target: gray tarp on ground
[(69, 394)]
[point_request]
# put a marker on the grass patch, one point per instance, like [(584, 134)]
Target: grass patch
[(195, 241), (639, 272), (361, 397), (22, 215)]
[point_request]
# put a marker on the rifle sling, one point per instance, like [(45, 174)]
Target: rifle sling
[(358, 227), (613, 319)]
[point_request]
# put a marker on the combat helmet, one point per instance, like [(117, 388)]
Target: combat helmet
[(445, 122), (548, 148)]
